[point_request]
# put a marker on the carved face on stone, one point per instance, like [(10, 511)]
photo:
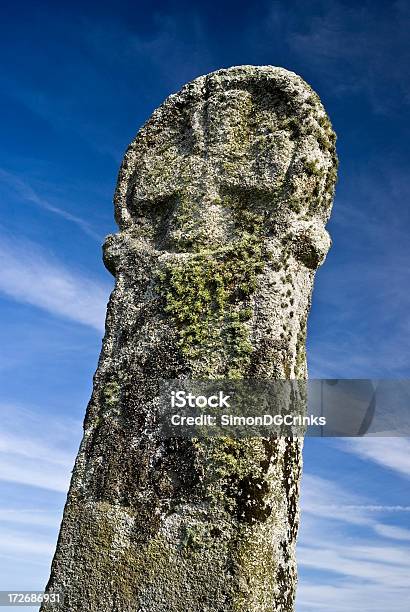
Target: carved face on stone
[(223, 149), (241, 159)]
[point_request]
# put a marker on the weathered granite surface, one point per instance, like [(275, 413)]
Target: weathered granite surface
[(221, 203)]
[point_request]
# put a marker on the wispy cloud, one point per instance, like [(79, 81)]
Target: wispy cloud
[(18, 544), (25, 191), (393, 532), (351, 594), (390, 453), (36, 449), (29, 516), (29, 274), (324, 499), (366, 508), (34, 472), (350, 566), (383, 565)]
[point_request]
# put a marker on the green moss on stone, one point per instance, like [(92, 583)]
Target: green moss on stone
[(111, 392), (207, 297)]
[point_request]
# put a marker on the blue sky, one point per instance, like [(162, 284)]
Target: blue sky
[(77, 83)]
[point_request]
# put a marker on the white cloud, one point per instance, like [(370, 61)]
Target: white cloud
[(29, 275), (16, 544), (354, 558), (26, 192), (25, 446), (393, 532), (29, 516), (390, 453), (37, 450), (381, 565), (351, 595), (34, 472), (370, 508), (322, 498)]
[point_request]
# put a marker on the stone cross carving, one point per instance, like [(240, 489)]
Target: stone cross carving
[(221, 203)]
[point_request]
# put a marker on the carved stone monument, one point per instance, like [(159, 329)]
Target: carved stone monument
[(221, 203)]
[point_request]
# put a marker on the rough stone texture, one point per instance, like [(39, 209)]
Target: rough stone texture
[(222, 199)]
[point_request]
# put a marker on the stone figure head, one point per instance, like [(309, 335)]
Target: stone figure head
[(233, 177)]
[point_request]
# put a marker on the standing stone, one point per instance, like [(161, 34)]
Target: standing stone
[(221, 203)]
